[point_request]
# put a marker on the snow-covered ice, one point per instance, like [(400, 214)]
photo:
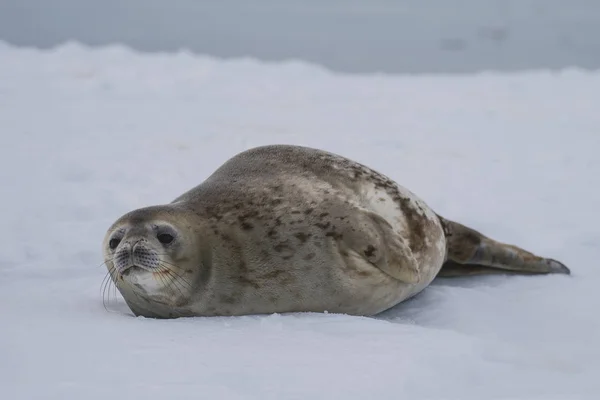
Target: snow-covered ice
[(88, 134)]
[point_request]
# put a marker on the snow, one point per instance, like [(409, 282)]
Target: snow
[(89, 134), (398, 36)]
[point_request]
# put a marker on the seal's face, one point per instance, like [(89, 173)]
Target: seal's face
[(149, 258)]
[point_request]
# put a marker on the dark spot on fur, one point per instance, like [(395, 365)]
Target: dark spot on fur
[(243, 267), (189, 271), (247, 226), (282, 277), (272, 275), (276, 202), (244, 276), (417, 224), (287, 280), (279, 247), (271, 233), (227, 299), (278, 221), (322, 215), (323, 225), (381, 199), (308, 211), (302, 237), (286, 257), (247, 281), (295, 212), (370, 250), (334, 235), (309, 256), (250, 214)]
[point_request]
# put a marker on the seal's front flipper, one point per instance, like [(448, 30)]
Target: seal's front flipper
[(378, 246), (471, 253), (399, 260)]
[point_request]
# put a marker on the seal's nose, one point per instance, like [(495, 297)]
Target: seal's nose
[(123, 259), (144, 256)]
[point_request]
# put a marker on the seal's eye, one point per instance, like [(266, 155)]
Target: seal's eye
[(165, 238), (113, 243)]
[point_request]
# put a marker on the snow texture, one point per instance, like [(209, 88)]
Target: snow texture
[(88, 135)]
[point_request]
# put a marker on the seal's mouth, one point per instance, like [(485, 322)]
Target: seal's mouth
[(136, 272), (134, 269)]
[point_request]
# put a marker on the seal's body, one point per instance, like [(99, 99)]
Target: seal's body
[(292, 229)]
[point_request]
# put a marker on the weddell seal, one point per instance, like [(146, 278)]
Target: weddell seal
[(284, 228)]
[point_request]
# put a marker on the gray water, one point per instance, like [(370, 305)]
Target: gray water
[(403, 36)]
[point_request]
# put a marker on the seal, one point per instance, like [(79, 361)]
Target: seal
[(281, 228)]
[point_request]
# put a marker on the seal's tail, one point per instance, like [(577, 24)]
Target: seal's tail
[(471, 253)]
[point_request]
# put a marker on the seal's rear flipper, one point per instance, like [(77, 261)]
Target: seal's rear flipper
[(471, 253)]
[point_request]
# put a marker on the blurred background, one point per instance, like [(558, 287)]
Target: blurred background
[(402, 36)]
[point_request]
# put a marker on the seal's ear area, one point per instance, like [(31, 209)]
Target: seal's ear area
[(471, 253)]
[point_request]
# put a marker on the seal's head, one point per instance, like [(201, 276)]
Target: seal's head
[(152, 257)]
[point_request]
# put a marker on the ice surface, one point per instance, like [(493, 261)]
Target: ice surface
[(88, 135)]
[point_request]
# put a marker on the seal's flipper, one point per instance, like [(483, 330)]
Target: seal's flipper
[(471, 253), (376, 245)]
